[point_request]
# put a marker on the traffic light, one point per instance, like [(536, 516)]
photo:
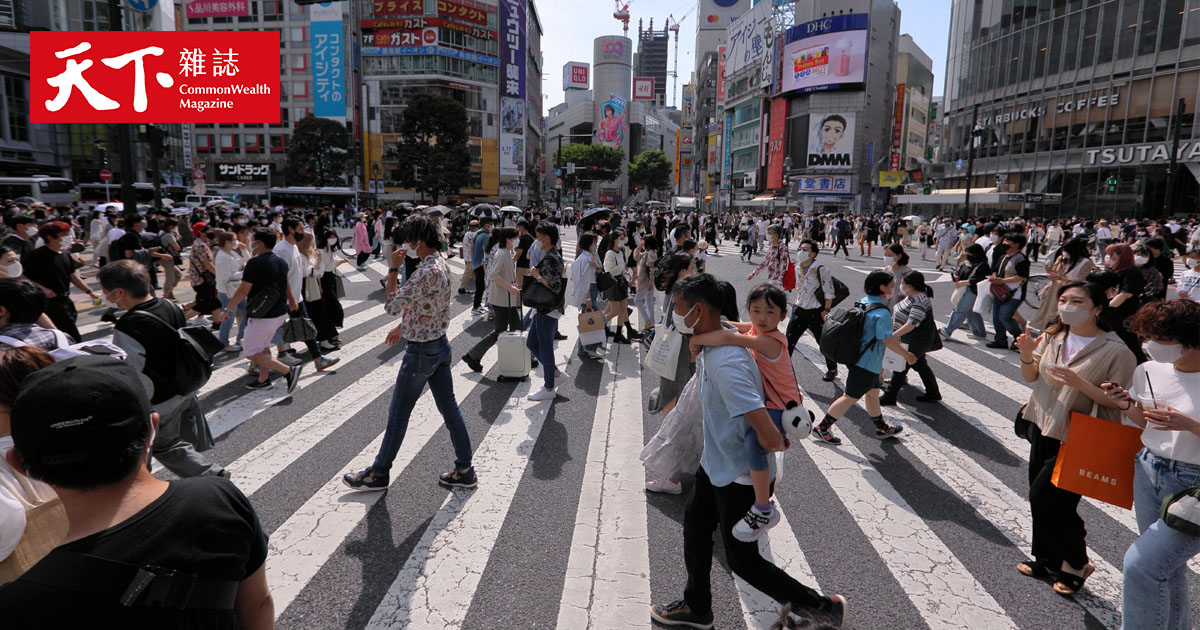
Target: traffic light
[(1112, 183), (926, 188)]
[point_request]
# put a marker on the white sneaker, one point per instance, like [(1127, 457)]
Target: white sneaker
[(541, 394), (754, 524), (665, 486)]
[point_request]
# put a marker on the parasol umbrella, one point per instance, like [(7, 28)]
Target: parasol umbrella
[(438, 211), (115, 206), (510, 210), (216, 202), (482, 210), (25, 200), (591, 215), (889, 214)]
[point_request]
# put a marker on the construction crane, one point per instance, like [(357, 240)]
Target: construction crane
[(622, 15), (673, 28)]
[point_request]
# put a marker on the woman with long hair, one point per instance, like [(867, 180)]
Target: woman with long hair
[(914, 325), (616, 262), (897, 265), (586, 297), (1118, 258), (777, 258), (1073, 265), (503, 294), (1067, 364), (970, 273), (325, 267)]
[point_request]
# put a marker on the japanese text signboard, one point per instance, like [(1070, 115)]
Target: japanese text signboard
[(897, 128), (328, 61), (217, 8), (242, 172), (512, 88), (469, 12), (398, 7), (154, 77), (747, 43)]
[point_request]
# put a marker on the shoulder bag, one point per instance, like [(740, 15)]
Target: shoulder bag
[(299, 328), (538, 296)]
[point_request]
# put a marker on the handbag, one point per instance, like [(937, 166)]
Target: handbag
[(958, 294), (1022, 427), (262, 303), (618, 291), (538, 296), (312, 288), (591, 328), (789, 277), (604, 281), (1181, 511), (1097, 460), (1001, 292), (663, 357), (299, 328), (339, 286)]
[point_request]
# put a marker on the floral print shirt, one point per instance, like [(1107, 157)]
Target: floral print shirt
[(201, 254), (424, 301), (775, 263)]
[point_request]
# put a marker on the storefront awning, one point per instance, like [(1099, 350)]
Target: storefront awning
[(955, 196)]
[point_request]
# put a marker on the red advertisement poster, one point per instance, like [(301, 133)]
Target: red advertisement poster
[(720, 75), (154, 76), (897, 128), (466, 11), (775, 148), (427, 36)]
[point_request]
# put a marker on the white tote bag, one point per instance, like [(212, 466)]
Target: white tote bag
[(663, 357), (959, 292), (983, 301)]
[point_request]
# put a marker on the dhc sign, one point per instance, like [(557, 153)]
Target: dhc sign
[(833, 24)]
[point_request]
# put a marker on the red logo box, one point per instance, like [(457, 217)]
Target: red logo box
[(154, 77)]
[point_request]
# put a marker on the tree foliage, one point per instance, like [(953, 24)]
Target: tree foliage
[(651, 170), (606, 162), (317, 155), (431, 155)]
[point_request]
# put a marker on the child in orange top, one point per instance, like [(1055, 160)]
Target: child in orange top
[(767, 305)]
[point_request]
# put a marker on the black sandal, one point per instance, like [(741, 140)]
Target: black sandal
[(1037, 570), (1069, 583)]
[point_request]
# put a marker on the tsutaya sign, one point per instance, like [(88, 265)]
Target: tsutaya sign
[(1161, 152)]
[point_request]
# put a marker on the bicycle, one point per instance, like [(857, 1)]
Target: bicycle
[(1034, 287)]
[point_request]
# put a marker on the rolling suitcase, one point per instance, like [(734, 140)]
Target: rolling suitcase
[(512, 356)]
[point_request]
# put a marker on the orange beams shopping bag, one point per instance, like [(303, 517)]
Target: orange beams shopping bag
[(1097, 460)]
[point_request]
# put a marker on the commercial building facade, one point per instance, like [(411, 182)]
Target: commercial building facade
[(1076, 104), (914, 70), (651, 59)]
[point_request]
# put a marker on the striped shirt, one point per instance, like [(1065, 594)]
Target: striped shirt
[(911, 310)]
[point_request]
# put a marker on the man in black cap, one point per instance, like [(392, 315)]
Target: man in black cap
[(139, 552)]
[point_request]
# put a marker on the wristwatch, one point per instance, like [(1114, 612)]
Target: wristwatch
[(393, 270)]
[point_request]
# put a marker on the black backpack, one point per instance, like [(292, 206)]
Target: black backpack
[(181, 360), (842, 333)]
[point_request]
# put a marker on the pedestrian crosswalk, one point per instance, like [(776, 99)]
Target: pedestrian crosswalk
[(919, 532)]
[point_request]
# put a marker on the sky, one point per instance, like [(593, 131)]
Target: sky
[(569, 26)]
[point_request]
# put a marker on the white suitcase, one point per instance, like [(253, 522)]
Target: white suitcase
[(512, 356)]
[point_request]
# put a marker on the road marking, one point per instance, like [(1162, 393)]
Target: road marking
[(781, 547), (939, 586), (607, 582), (306, 541), (995, 502), (438, 582)]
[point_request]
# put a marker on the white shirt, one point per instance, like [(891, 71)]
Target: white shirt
[(229, 272), (1074, 344), (291, 256), (1180, 390)]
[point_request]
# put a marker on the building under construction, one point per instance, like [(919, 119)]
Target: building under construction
[(653, 47)]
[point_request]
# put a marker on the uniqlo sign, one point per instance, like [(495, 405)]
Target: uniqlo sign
[(154, 76)]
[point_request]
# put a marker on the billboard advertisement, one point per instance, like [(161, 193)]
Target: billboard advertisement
[(745, 36), (512, 88), (775, 148), (328, 61), (575, 75), (717, 15), (382, 8), (825, 54), (643, 88), (611, 114), (897, 128), (721, 77), (831, 141)]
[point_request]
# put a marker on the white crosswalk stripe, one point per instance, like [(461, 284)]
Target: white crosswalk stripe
[(599, 558)]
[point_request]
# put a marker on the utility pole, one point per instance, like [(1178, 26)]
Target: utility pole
[(1169, 198), (558, 165), (971, 158), (124, 141)]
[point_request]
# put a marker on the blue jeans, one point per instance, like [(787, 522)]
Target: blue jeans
[(756, 455), (963, 311), (227, 325), (1155, 594), (540, 342), (424, 362), (1002, 319)]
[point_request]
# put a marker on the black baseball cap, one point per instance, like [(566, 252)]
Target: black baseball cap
[(68, 410)]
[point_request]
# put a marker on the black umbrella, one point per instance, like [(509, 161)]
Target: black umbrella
[(482, 210), (591, 215), (438, 211)]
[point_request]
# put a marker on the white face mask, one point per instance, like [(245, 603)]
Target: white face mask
[(31, 231), (13, 270), (332, 240), (1073, 315), (1140, 260), (67, 240), (1193, 262), (680, 321), (411, 250), (1109, 261), (1164, 353)]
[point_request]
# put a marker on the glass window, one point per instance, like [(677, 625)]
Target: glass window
[(1071, 51), (1027, 49), (1191, 22), (253, 143), (229, 143), (253, 16), (1172, 23), (1108, 31), (16, 99), (1129, 22), (1091, 31), (300, 89), (1149, 33), (299, 62), (1039, 57), (1162, 106), (1135, 121), (296, 33), (272, 10), (283, 118), (278, 144), (203, 142)]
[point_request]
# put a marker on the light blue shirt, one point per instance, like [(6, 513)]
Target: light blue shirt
[(878, 326), (730, 387)]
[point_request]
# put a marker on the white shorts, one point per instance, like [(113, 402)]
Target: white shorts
[(259, 332)]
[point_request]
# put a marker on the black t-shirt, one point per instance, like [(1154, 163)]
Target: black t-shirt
[(19, 245), (261, 272), (49, 269), (524, 244), (131, 241), (200, 525)]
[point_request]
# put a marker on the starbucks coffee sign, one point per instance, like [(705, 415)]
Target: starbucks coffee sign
[(1144, 153)]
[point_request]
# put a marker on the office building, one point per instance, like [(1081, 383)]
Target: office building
[(1076, 106), (652, 51), (914, 70)]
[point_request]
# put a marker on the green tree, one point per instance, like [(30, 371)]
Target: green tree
[(651, 170), (317, 155), (593, 162), (431, 155)]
